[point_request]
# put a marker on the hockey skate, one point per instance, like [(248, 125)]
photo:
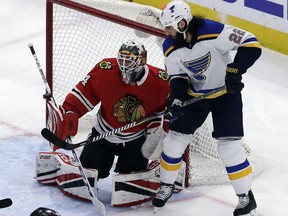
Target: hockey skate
[(162, 196), (246, 206)]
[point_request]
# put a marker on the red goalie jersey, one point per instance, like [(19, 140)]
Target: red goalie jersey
[(121, 103)]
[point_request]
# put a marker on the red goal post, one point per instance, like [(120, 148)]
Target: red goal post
[(80, 33)]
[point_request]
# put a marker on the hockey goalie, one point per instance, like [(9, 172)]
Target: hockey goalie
[(127, 90)]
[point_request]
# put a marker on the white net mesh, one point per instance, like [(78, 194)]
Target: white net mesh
[(81, 39), (205, 166)]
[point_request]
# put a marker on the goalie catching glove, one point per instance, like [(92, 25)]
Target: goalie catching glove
[(63, 124)]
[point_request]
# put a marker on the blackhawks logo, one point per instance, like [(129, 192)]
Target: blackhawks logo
[(163, 75), (105, 65), (128, 109)]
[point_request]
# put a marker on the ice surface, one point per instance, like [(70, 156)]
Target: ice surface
[(22, 118)]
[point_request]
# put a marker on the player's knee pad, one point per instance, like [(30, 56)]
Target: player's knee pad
[(231, 151), (175, 143)]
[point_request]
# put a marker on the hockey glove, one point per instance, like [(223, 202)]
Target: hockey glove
[(63, 124), (178, 89), (233, 78), (174, 101)]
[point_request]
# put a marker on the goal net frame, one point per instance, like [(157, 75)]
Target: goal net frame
[(204, 166)]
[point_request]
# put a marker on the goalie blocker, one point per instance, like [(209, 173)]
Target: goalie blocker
[(59, 169), (63, 124)]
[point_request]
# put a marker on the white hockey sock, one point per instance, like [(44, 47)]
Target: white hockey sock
[(237, 166)]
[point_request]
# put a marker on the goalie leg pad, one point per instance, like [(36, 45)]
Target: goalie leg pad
[(46, 168), (180, 180), (61, 170), (136, 188)]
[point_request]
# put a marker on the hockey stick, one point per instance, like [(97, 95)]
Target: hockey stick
[(47, 134), (214, 92), (152, 147), (4, 203), (100, 207), (96, 202)]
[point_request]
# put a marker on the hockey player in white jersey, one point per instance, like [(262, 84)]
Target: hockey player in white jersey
[(197, 59)]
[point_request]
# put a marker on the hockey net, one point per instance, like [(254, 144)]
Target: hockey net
[(82, 32)]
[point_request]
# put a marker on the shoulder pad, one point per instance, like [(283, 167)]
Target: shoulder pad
[(210, 30), (168, 46)]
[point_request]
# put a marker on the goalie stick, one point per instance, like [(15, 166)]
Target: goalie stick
[(47, 134), (4, 203), (51, 137), (100, 207)]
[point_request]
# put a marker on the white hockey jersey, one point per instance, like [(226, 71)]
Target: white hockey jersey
[(205, 63)]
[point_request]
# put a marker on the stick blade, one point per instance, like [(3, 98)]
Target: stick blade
[(51, 137), (5, 203)]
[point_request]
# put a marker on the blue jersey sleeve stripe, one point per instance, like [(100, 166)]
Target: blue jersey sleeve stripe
[(253, 39), (250, 42)]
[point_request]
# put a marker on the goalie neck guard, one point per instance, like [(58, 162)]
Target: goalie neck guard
[(41, 211)]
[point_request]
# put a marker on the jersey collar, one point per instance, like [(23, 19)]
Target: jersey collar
[(140, 82)]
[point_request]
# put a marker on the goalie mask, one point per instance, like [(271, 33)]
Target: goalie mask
[(174, 12), (131, 60)]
